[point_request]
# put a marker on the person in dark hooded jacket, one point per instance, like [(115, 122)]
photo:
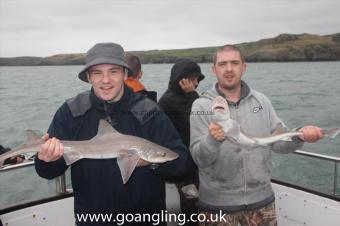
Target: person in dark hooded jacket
[(176, 103), (177, 100)]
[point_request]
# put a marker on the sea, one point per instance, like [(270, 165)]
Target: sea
[(303, 93)]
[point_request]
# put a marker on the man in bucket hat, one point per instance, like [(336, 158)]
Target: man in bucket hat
[(97, 183)]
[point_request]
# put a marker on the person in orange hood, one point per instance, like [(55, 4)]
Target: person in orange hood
[(133, 79)]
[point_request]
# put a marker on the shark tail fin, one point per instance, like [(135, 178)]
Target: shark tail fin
[(331, 133), (127, 162)]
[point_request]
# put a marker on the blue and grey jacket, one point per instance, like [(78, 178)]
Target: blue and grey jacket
[(233, 178), (97, 184)]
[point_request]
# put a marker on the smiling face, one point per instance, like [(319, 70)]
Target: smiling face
[(107, 81), (229, 69)]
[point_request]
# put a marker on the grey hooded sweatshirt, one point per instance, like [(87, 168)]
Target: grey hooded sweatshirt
[(232, 177)]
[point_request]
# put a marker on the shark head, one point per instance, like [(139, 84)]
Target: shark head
[(221, 116), (220, 108), (160, 155)]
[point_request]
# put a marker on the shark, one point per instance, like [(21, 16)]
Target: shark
[(233, 130), (107, 144)]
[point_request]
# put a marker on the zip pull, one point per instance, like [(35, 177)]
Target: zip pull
[(111, 121), (108, 117), (233, 105)]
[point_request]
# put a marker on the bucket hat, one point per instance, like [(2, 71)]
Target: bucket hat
[(104, 53)]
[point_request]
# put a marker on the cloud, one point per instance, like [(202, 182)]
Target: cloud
[(46, 27)]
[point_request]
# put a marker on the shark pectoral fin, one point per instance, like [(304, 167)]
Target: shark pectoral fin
[(127, 162), (280, 128)]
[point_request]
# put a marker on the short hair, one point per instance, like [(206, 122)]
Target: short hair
[(228, 48), (134, 62)]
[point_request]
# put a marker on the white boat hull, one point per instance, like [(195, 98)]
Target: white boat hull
[(294, 208)]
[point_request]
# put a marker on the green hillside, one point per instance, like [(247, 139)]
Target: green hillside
[(284, 47)]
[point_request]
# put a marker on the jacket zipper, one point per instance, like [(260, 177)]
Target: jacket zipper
[(236, 110)]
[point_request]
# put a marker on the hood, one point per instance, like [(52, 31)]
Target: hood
[(214, 92), (134, 84), (181, 69)]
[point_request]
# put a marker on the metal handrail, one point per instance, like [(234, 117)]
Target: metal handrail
[(16, 166), (61, 180), (333, 159), (61, 184)]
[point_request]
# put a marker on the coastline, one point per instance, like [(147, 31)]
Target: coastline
[(282, 48)]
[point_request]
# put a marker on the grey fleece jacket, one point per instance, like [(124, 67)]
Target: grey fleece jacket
[(233, 177)]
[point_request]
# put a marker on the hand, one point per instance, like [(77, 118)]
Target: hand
[(19, 159), (142, 162), (187, 85), (51, 150), (215, 130), (311, 134)]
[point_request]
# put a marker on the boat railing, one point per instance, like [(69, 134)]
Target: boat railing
[(63, 185), (17, 166), (333, 159), (61, 181)]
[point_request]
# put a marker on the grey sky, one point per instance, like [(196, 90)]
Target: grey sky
[(48, 27)]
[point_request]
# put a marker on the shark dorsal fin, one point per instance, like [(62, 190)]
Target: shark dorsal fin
[(31, 136), (280, 129), (104, 127)]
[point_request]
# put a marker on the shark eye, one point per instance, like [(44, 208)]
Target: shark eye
[(163, 154)]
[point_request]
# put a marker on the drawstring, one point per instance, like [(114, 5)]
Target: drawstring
[(108, 117)]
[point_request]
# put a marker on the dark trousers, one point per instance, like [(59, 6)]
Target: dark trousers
[(189, 206)]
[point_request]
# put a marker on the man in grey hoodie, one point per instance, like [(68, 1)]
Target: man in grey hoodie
[(233, 179)]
